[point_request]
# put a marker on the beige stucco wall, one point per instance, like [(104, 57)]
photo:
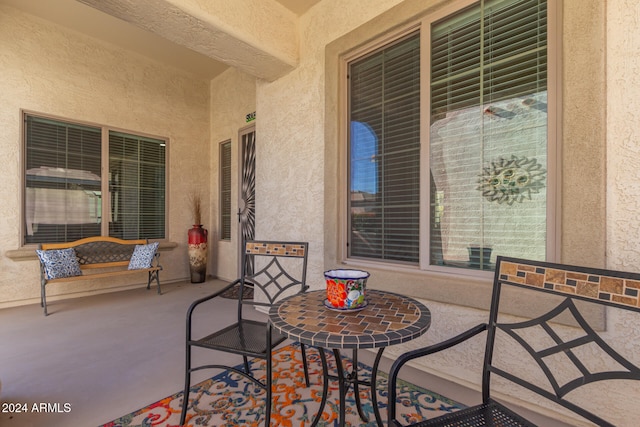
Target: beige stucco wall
[(260, 38), (290, 177), (623, 135), (623, 170), (50, 70), (292, 108), (298, 169)]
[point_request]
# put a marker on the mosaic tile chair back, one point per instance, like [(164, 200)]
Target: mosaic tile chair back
[(561, 349)]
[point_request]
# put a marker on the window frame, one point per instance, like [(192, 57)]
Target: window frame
[(104, 148), (422, 24)]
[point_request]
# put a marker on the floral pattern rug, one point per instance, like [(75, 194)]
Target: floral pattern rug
[(228, 399)]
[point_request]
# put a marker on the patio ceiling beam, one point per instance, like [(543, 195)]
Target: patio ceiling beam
[(259, 38)]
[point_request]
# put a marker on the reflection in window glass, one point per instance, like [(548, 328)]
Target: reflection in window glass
[(64, 181), (488, 137), (63, 199), (136, 186), (384, 146), (485, 153)]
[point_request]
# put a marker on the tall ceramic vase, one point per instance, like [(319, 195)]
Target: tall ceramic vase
[(198, 253)]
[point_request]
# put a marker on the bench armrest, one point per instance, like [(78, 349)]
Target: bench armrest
[(156, 260)]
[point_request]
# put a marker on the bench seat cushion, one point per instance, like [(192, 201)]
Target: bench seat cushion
[(143, 256), (59, 263)]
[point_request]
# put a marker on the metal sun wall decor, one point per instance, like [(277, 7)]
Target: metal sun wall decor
[(511, 180)]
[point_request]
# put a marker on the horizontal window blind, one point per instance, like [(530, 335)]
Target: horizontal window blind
[(384, 141), (488, 138), (137, 186), (64, 181), (225, 190), (63, 199), (501, 56)]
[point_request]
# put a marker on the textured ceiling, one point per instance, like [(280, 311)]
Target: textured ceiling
[(82, 18)]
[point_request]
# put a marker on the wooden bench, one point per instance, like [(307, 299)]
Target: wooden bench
[(99, 257), (561, 352)]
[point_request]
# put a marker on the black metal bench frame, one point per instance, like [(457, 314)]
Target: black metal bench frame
[(606, 288), (102, 257)]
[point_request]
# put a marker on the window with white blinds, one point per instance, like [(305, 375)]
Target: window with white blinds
[(64, 184), (225, 190), (384, 141), (486, 146), (136, 186), (488, 134)]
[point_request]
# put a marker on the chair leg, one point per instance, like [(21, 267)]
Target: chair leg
[(246, 364), (304, 364), (267, 409), (187, 386)]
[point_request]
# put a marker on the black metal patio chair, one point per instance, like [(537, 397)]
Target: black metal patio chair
[(274, 270), (558, 349)]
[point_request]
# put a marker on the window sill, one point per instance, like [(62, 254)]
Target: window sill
[(452, 270), (454, 286), (460, 287)]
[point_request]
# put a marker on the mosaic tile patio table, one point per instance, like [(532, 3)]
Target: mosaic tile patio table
[(387, 319)]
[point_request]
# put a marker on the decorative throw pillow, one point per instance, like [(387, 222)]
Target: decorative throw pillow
[(142, 256), (59, 263)]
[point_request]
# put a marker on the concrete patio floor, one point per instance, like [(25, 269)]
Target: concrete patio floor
[(96, 358)]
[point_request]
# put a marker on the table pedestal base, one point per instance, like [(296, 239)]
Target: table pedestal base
[(345, 381)]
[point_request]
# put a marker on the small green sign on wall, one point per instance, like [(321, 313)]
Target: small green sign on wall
[(251, 117)]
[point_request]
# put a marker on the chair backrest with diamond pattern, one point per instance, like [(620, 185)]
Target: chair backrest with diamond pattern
[(563, 355), (279, 270)]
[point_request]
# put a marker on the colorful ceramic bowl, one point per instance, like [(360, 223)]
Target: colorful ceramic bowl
[(346, 289)]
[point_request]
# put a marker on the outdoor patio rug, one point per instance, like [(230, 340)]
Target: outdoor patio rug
[(228, 400)]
